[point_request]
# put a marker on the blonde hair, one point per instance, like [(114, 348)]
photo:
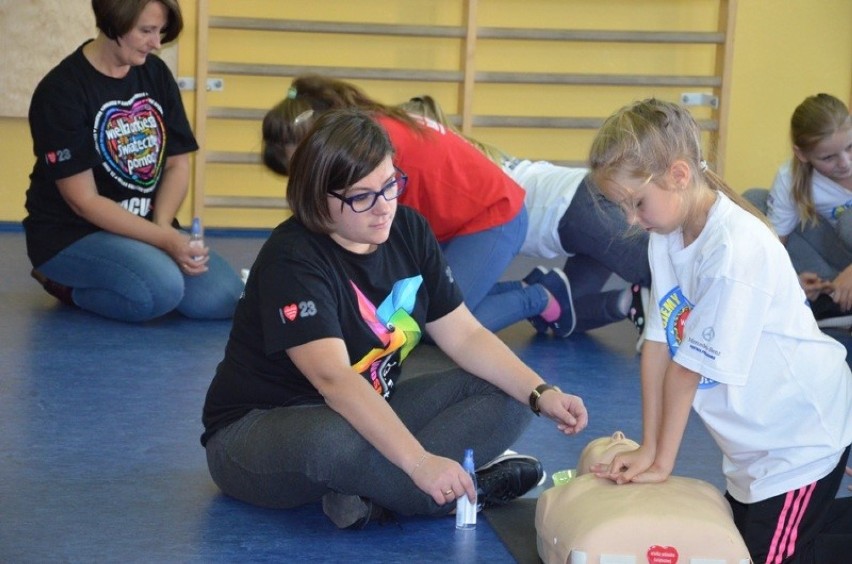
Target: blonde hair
[(644, 139), (429, 108), (816, 118)]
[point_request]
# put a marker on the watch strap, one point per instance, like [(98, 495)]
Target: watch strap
[(536, 394)]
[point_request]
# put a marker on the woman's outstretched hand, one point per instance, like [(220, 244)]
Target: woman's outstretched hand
[(567, 410)]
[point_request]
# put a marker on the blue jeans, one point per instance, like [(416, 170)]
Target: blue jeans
[(128, 280), (596, 232), (479, 260), (819, 248), (285, 457)]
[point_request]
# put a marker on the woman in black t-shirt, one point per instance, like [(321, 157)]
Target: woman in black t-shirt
[(112, 145), (314, 399)]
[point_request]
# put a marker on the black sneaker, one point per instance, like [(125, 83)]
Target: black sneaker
[(505, 478), (539, 324), (828, 314), (55, 289), (352, 511), (637, 311)]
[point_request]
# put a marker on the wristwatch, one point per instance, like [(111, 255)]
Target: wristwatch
[(536, 393)]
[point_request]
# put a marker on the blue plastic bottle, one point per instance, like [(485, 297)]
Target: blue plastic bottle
[(196, 237), (466, 509)]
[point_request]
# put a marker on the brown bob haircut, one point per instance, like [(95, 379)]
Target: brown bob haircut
[(341, 148), (116, 17)]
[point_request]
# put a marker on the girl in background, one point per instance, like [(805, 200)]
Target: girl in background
[(735, 341), (476, 211), (808, 205)]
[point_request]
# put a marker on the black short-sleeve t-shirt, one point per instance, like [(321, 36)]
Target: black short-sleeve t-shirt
[(304, 287), (123, 129)]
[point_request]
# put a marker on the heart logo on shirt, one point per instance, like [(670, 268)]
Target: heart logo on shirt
[(662, 555), (51, 157), (290, 311), (131, 139)]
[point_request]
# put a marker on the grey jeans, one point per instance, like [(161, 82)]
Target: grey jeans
[(822, 248), (596, 232), (289, 456)]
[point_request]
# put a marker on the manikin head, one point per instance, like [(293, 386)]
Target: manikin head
[(602, 450)]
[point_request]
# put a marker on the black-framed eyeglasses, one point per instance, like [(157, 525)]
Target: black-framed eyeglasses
[(364, 201)]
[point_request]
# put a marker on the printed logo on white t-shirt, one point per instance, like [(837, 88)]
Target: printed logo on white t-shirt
[(837, 211), (674, 311)]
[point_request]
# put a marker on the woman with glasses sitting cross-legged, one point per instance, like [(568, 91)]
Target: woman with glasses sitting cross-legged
[(322, 394)]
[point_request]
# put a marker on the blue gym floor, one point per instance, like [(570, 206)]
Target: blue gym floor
[(100, 459)]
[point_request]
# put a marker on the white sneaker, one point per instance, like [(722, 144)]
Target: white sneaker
[(842, 320)]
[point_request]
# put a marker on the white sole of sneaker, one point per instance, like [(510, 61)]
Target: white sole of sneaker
[(645, 296), (839, 321)]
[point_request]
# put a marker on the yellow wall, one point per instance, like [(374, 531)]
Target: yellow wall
[(783, 52)]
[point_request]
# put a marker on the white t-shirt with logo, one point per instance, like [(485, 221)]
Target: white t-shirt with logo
[(830, 200), (775, 393)]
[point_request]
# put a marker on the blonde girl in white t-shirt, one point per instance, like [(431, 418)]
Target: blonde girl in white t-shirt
[(729, 334), (808, 201)]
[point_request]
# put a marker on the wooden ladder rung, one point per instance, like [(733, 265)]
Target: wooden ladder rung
[(598, 79), (261, 202), (233, 157), (367, 28), (250, 114), (335, 72), (532, 122), (425, 75), (604, 36), (352, 28)]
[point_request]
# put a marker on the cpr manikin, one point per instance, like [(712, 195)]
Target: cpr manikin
[(592, 520)]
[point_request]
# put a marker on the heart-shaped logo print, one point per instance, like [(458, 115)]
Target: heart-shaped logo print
[(662, 555), (130, 137), (290, 311), (51, 157)]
